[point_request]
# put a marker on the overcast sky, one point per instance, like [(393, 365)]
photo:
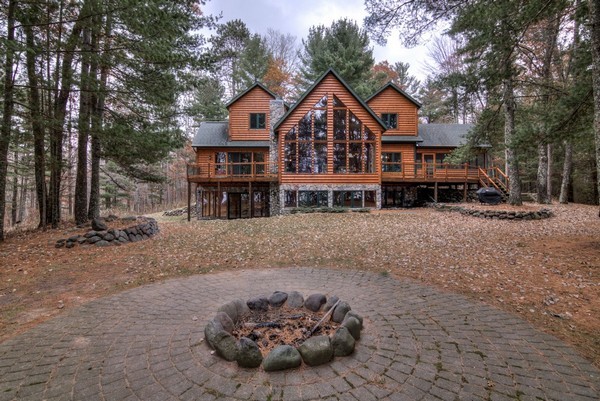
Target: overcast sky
[(297, 16)]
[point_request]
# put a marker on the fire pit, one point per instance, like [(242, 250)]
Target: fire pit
[(283, 330)]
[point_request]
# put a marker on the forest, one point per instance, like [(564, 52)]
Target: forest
[(100, 98)]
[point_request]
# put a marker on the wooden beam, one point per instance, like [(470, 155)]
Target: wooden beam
[(435, 192), (219, 199), (251, 199), (465, 187), (189, 201)]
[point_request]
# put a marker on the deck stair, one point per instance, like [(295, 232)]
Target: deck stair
[(495, 178)]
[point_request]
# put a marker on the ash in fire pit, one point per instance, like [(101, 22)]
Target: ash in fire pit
[(281, 331)]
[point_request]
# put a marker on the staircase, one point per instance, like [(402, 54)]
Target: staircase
[(495, 178)]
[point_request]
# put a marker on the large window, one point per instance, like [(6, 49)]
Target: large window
[(305, 149), (353, 142), (390, 120), (391, 162), (258, 120), (306, 199), (239, 163)]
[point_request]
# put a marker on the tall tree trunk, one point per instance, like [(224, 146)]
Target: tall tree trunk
[(22, 198), (59, 115), (549, 173), (566, 175), (6, 129), (512, 164), (35, 112), (98, 115), (14, 205), (594, 6), (81, 183), (542, 173)]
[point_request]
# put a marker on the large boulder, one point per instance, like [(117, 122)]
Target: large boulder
[(241, 307), (248, 354), (98, 224), (282, 357), (342, 342), (277, 299), (226, 346), (330, 302), (314, 302), (339, 313), (230, 309), (353, 326), (258, 303), (295, 300), (355, 315), (211, 330), (316, 350), (225, 321)]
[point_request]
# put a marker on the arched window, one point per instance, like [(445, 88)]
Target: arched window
[(305, 145)]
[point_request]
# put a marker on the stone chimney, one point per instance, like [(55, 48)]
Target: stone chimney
[(276, 111)]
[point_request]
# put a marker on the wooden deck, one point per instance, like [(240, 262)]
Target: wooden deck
[(430, 172), (230, 172)]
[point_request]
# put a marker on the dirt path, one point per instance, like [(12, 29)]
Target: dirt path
[(548, 272)]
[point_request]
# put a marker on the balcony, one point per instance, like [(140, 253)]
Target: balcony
[(429, 172), (230, 172)]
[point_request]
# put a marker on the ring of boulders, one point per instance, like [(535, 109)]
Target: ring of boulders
[(496, 214), (315, 350), (101, 235)]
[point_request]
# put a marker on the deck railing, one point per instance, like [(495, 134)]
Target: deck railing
[(229, 170), (412, 171)]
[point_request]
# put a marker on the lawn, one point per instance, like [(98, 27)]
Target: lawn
[(546, 271)]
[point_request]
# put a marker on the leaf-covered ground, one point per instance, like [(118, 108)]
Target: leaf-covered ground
[(548, 272)]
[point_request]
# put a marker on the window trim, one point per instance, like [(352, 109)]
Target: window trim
[(255, 118), (386, 120)]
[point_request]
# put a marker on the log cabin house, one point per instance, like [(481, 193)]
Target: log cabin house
[(330, 149)]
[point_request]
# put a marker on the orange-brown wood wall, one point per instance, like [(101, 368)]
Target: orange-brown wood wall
[(205, 157), (255, 101), (408, 155), (391, 101), (330, 86)]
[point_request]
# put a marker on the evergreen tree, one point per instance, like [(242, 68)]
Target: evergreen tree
[(254, 62), (344, 47), (227, 47)]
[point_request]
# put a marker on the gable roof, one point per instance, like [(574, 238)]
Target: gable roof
[(214, 134), (314, 85), (445, 135), (397, 89), (244, 93)]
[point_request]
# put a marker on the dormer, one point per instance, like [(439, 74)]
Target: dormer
[(249, 114), (397, 109)]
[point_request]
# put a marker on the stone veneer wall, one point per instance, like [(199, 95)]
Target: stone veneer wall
[(329, 188), (146, 228)]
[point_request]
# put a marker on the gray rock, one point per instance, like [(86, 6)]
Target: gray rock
[(316, 350), (230, 309), (353, 326), (355, 315), (93, 240), (69, 244), (90, 234), (129, 218), (295, 300), (132, 238), (259, 303), (314, 302), (277, 299), (225, 321), (211, 330), (60, 243), (226, 346), (81, 240), (342, 342), (139, 237), (102, 243), (73, 238), (339, 313), (282, 357), (109, 237), (248, 354), (241, 307), (330, 302), (99, 224)]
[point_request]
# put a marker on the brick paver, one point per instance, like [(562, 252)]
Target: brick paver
[(418, 344)]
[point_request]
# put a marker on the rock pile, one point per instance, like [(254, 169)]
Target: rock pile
[(496, 214), (313, 351), (101, 235), (181, 212)]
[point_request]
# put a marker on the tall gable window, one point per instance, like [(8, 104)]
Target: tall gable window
[(353, 142), (305, 146), (258, 120), (390, 120)]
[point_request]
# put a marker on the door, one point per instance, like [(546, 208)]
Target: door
[(429, 160)]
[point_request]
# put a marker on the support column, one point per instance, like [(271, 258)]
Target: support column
[(218, 199), (251, 199), (435, 192), (465, 191), (189, 201)]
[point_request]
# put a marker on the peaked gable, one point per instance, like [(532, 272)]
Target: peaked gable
[(250, 89), (397, 89), (333, 74)]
